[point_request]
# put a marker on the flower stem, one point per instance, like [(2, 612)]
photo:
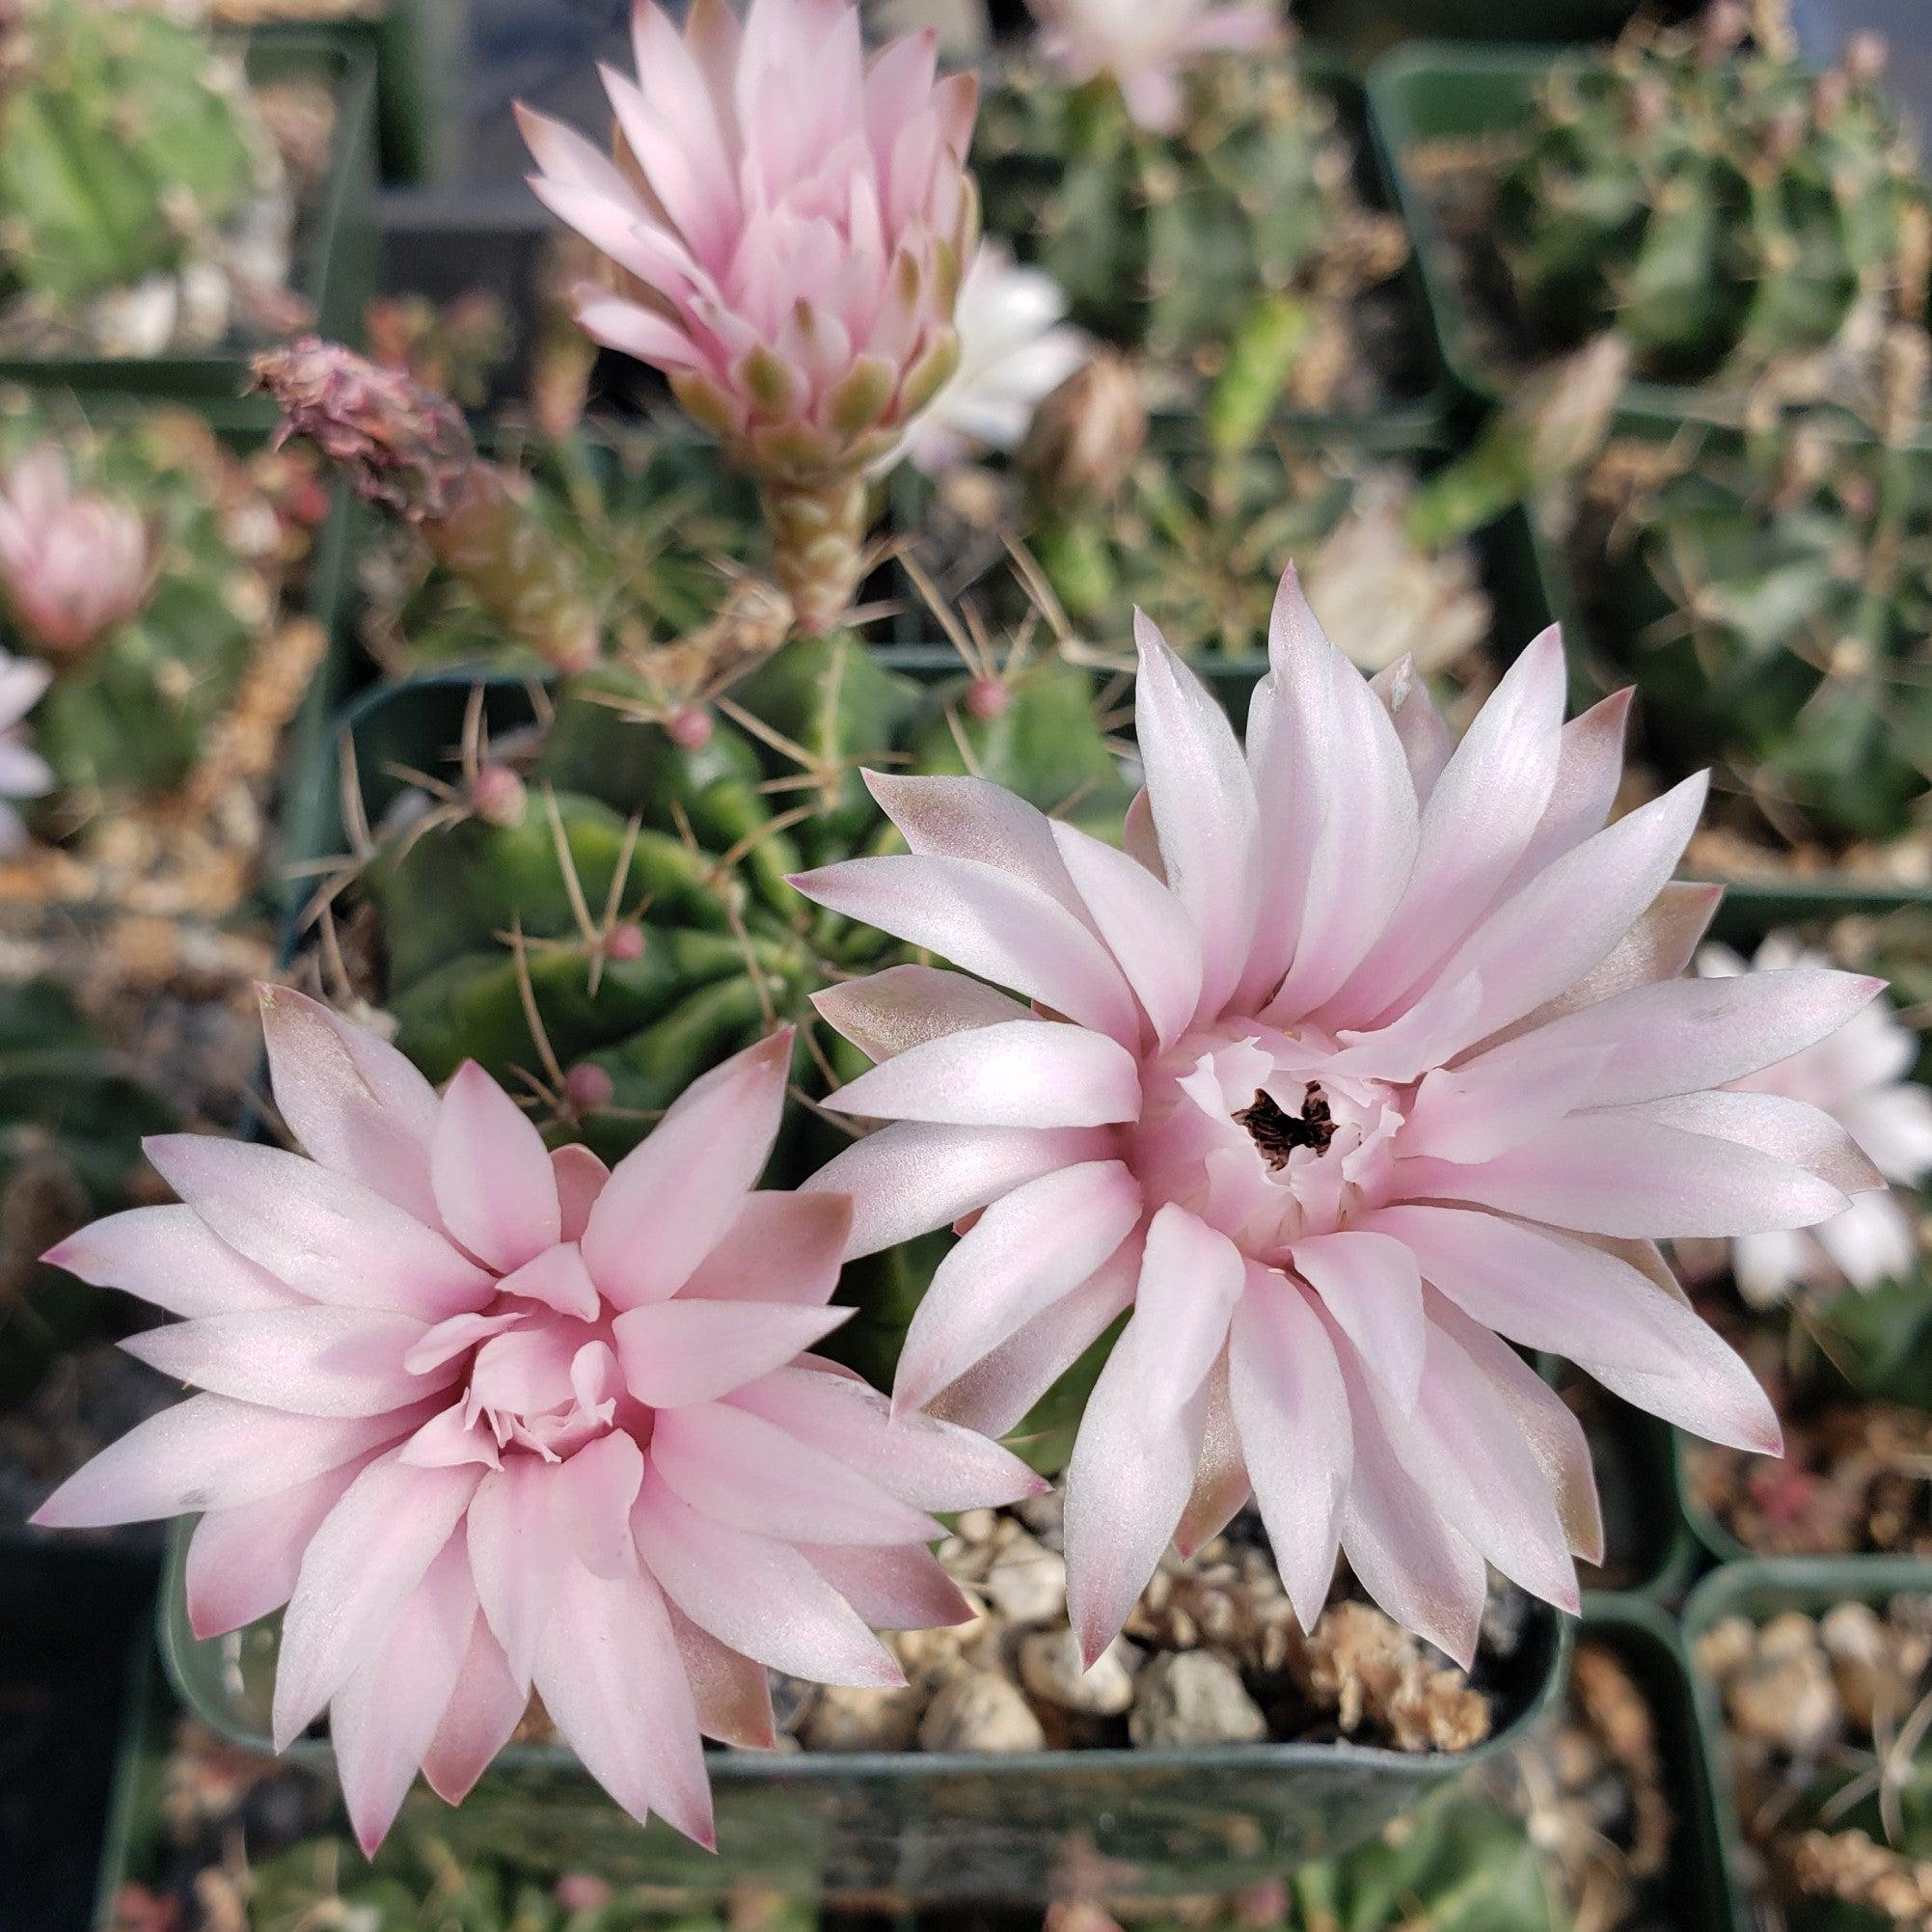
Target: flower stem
[(818, 541)]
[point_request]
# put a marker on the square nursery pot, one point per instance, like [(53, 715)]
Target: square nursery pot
[(908, 1827), (919, 1827), (418, 58), (335, 246), (1651, 1646), (322, 595), (1759, 1589), (1433, 92), (74, 1654)]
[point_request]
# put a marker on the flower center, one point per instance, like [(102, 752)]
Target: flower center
[(1277, 1134), (1266, 1136), (539, 1365)]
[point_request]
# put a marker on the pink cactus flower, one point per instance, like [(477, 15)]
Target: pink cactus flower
[(1368, 1056), (1861, 1078), (1146, 47), (72, 567), (23, 772), (789, 222), (491, 1419)]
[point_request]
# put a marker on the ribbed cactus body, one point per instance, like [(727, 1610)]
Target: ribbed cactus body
[(127, 141), (1172, 240), (625, 532), (1713, 201), (670, 938), (1776, 597)]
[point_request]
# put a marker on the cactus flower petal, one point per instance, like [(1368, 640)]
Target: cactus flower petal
[(1417, 1077), (491, 1421)]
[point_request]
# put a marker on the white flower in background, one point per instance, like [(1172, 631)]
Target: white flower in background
[(23, 772), (1016, 349), (1145, 47), (1860, 1076)]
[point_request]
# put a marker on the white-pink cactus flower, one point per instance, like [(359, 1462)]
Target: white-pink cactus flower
[(23, 772), (491, 1419), (1016, 349), (1146, 47), (1367, 1057), (1861, 1078), (789, 221), (73, 566)]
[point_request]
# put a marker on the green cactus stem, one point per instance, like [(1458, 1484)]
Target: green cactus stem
[(1181, 243)]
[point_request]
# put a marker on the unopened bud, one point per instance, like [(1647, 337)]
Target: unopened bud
[(1088, 434), (987, 698), (499, 797), (690, 727), (1786, 132), (1829, 94), (588, 1087), (625, 942)]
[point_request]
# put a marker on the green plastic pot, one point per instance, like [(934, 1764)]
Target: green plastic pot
[(1760, 1590), (918, 1827), (336, 249), (1651, 1645), (413, 44), (1442, 92)]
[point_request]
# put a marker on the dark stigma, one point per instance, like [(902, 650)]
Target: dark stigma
[(1277, 1134)]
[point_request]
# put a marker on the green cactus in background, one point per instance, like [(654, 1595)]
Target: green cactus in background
[(1701, 191), (1772, 597), (176, 550), (127, 143), (623, 874), (1179, 242), (1460, 1864)]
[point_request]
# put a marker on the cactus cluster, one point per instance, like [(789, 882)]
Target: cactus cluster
[(138, 181), (1242, 217), (1714, 199), (136, 710), (1771, 595)]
